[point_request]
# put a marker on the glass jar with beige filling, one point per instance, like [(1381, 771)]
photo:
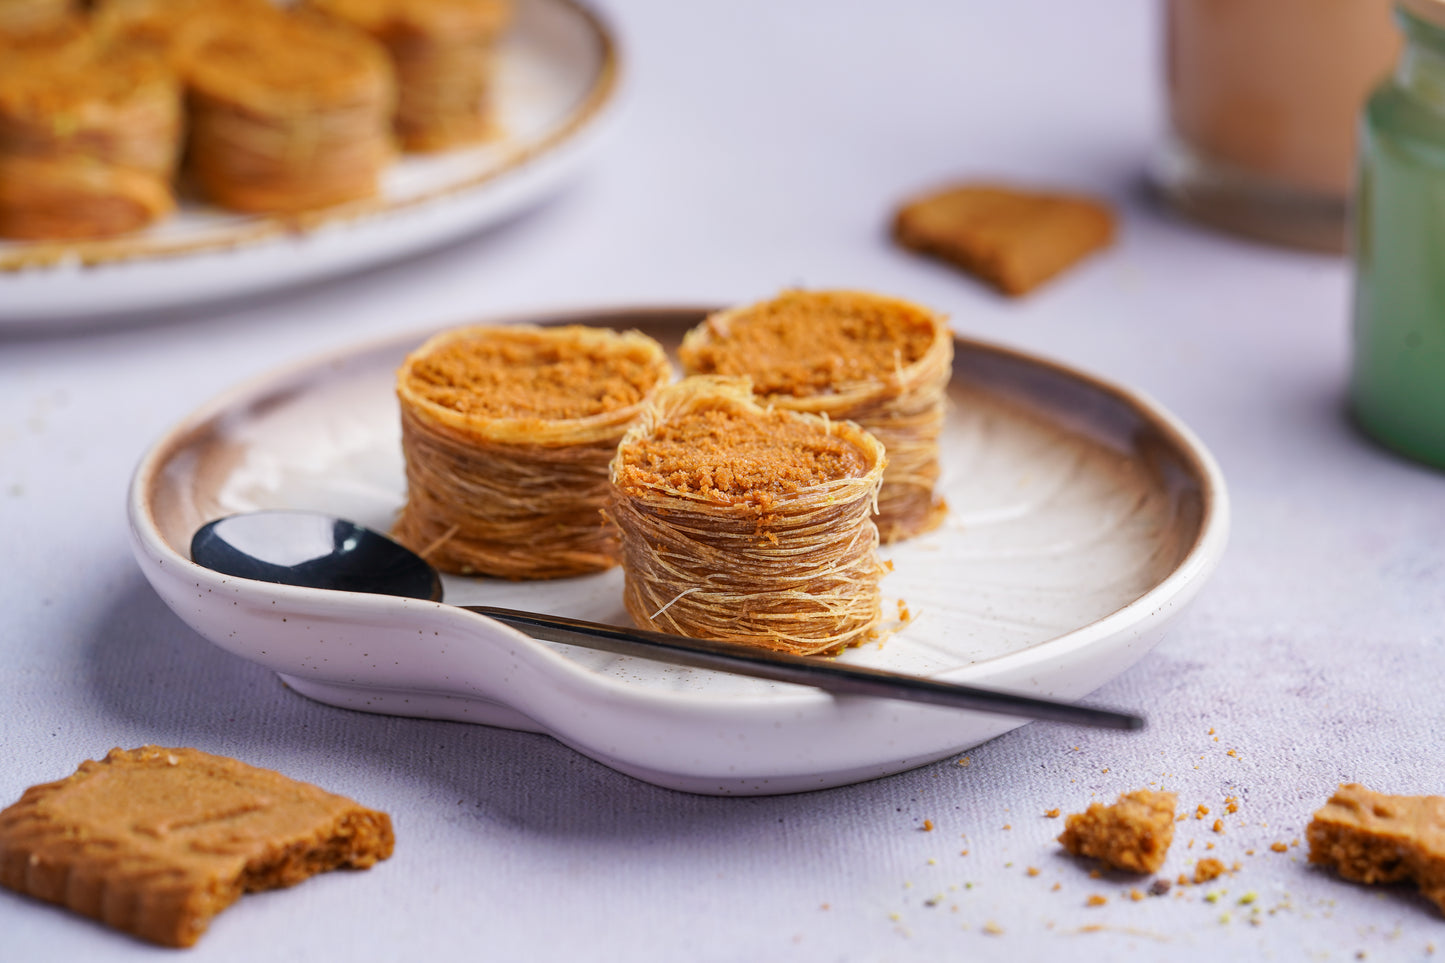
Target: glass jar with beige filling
[(1263, 99)]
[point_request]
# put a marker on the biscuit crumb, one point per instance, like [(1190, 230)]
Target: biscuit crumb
[(1096, 900), (1133, 834), (1032, 871), (1052, 813), (928, 825), (1207, 869), (1279, 847), (1136, 895), (1218, 826), (992, 928)]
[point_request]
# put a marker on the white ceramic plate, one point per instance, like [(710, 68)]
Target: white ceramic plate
[(1082, 517), (557, 72)]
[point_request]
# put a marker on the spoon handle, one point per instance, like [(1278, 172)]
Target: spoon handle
[(803, 670)]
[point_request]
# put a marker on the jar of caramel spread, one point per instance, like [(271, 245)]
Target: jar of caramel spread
[(1263, 97)]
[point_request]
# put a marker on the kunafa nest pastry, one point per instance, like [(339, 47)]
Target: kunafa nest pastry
[(162, 28), (507, 434), (882, 362), (288, 114), (76, 198), (442, 53), (89, 138), (747, 523), (26, 16)]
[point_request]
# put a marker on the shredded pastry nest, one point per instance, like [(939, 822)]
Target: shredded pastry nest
[(881, 362), (712, 548), (89, 138), (288, 113), (516, 491), (441, 51)]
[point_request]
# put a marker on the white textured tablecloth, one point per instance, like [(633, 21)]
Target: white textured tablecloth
[(762, 145)]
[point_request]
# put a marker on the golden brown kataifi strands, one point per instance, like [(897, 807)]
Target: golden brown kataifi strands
[(89, 137), (789, 567), (516, 489), (842, 354), (25, 16), (288, 113), (165, 28), (443, 55)]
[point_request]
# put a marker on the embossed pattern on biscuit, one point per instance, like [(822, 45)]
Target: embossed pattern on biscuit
[(1368, 837), (1015, 240), (156, 841)]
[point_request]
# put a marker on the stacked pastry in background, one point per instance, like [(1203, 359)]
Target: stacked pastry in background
[(89, 135), (291, 114), (442, 53), (276, 109), (160, 27), (25, 16)]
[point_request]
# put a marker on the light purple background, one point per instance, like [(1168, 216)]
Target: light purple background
[(762, 145)]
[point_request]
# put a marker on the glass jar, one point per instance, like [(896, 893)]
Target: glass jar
[(1398, 380), (1263, 100)]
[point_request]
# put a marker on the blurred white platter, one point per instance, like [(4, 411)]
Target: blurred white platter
[(557, 73), (1082, 518)]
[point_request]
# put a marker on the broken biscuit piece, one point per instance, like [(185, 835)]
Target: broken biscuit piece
[(1012, 239), (156, 842), (1133, 834), (1368, 837)]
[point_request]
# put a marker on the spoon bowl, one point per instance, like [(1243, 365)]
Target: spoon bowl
[(318, 551), (314, 551)]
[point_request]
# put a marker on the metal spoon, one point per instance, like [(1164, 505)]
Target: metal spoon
[(318, 551)]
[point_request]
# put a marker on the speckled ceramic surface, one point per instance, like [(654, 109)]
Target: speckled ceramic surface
[(556, 75), (1082, 517)]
